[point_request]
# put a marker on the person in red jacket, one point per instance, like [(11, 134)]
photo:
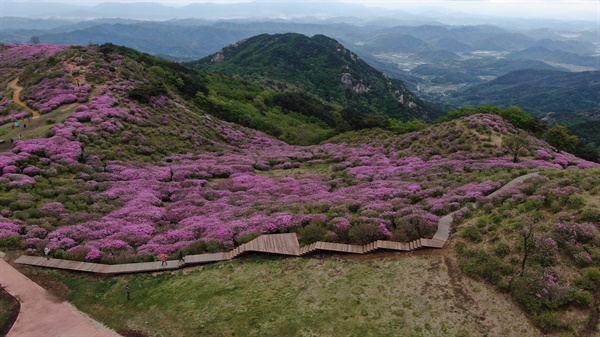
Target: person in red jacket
[(163, 259)]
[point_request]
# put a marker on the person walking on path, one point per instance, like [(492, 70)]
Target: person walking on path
[(47, 253), (127, 290), (181, 258), (163, 259)]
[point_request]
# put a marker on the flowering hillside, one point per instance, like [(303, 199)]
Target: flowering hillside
[(121, 166), (84, 188)]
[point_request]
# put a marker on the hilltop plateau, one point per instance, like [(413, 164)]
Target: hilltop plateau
[(130, 157)]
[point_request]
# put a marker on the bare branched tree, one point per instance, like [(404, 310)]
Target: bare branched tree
[(514, 143)]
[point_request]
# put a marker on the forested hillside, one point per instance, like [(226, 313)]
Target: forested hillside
[(537, 91), (324, 68)]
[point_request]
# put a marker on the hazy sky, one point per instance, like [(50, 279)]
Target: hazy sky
[(559, 9), (554, 9)]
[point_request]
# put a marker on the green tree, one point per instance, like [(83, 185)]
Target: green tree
[(515, 143), (516, 116), (559, 137), (400, 127)]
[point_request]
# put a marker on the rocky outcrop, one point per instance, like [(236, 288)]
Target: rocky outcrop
[(350, 82)]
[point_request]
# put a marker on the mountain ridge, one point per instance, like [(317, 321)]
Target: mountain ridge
[(538, 91), (323, 66)]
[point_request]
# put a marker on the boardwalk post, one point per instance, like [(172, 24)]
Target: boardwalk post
[(127, 290)]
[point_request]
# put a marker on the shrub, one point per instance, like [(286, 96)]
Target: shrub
[(590, 280), (312, 233), (545, 252), (60, 254), (582, 259), (247, 238), (364, 233), (555, 206), (416, 225), (5, 201), (541, 290), (472, 233), (11, 241), (480, 265), (214, 246), (576, 232), (461, 248), (590, 215), (576, 201), (548, 322), (582, 299), (20, 206), (78, 253), (502, 249)]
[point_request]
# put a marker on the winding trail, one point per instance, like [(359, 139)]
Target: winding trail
[(17, 98), (41, 314)]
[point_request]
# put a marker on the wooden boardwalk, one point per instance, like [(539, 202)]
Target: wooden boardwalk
[(283, 244)]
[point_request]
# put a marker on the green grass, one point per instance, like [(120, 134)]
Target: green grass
[(4, 311), (37, 128), (260, 295), (9, 308)]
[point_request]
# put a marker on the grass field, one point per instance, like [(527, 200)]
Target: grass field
[(9, 308), (384, 294)]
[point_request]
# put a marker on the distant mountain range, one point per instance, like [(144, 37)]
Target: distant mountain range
[(432, 59), (447, 64), (206, 10), (537, 91)]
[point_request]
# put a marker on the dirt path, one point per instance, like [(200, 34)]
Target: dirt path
[(42, 314), (17, 98)]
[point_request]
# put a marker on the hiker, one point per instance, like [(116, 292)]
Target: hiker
[(127, 290), (12, 140), (181, 259), (163, 259), (19, 136), (12, 126), (24, 126), (47, 253)]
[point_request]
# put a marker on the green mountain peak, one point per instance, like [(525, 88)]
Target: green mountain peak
[(324, 68)]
